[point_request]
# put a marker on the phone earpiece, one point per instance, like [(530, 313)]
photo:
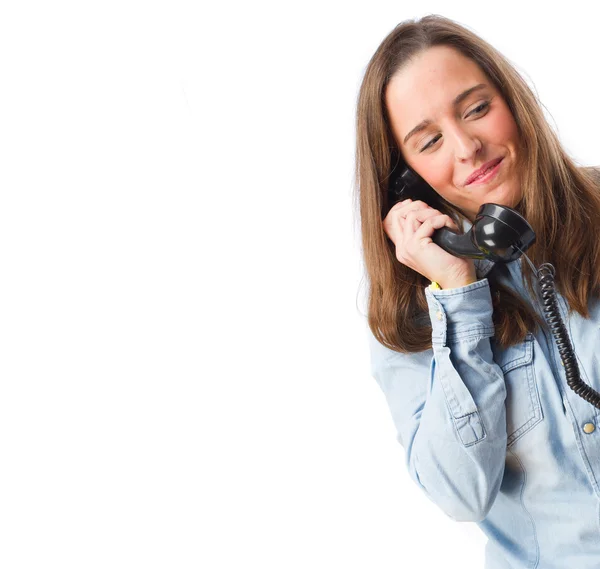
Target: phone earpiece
[(403, 183)]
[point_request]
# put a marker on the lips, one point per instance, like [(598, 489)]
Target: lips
[(487, 166)]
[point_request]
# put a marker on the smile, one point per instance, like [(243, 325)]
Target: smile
[(488, 175)]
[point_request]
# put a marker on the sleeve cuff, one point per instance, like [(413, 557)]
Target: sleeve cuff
[(459, 313)]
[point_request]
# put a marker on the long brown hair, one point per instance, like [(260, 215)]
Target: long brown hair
[(557, 194)]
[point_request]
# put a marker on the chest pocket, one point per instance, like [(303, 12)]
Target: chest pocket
[(523, 409)]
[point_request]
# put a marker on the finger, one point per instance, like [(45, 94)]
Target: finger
[(432, 224), (412, 221), (393, 227), (403, 209), (422, 215), (395, 221), (417, 217), (409, 205), (400, 208)]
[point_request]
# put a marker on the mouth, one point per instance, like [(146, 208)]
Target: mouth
[(485, 173)]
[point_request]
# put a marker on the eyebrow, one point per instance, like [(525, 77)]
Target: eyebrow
[(457, 101)]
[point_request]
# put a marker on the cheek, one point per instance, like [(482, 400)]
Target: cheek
[(437, 173), (503, 129)]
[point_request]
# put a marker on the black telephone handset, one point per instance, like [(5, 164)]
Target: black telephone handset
[(500, 234)]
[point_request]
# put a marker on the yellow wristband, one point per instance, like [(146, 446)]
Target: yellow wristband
[(434, 286)]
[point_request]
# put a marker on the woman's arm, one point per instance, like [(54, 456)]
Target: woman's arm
[(448, 403)]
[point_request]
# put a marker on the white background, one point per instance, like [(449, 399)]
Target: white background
[(183, 366)]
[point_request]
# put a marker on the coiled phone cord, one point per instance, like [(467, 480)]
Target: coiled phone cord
[(545, 276)]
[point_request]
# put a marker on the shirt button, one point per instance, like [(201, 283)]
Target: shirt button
[(589, 428), (439, 315)]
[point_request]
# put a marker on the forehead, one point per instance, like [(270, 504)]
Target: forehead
[(426, 86)]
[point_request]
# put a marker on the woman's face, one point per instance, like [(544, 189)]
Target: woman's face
[(449, 120)]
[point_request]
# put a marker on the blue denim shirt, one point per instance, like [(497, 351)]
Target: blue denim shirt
[(496, 436)]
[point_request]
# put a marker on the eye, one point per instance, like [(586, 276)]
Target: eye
[(431, 142), (479, 109)]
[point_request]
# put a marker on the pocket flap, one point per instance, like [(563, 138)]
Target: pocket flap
[(517, 355)]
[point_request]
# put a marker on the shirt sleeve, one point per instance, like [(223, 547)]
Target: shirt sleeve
[(447, 403)]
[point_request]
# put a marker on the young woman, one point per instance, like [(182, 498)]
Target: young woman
[(472, 375)]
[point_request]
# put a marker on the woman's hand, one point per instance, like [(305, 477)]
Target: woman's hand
[(410, 226)]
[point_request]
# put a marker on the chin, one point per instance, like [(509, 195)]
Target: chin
[(501, 196)]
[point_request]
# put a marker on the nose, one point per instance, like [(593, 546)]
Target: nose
[(467, 144)]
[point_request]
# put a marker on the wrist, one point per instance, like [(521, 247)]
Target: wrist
[(452, 283), (456, 280)]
